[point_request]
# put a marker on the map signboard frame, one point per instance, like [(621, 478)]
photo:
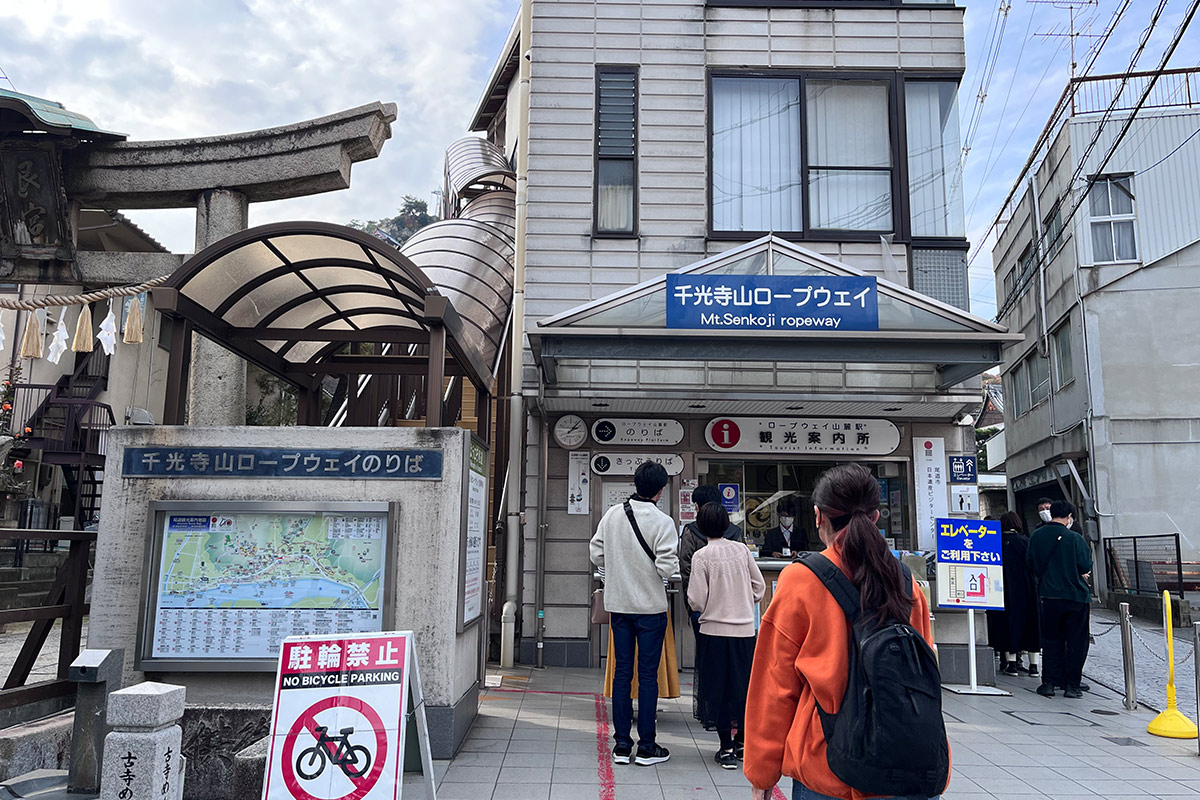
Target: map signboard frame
[(160, 511)]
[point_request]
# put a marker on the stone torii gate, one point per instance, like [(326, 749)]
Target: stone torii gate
[(219, 176)]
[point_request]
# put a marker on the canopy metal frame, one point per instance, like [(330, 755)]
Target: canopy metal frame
[(407, 314)]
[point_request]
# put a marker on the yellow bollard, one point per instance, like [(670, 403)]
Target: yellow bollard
[(1171, 723)]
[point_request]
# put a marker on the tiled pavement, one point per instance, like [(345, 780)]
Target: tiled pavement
[(543, 735)]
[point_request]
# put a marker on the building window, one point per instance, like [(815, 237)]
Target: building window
[(1111, 204), (1018, 390), (756, 164), (785, 166), (1039, 379), (849, 155), (934, 158), (616, 151), (1064, 367), (1052, 230)]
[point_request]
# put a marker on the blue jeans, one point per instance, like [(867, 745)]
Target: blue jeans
[(646, 631), (802, 792)]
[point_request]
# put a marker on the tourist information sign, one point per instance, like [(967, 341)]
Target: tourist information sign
[(340, 716)]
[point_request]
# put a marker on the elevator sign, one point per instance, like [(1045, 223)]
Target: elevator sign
[(970, 569), (773, 302)]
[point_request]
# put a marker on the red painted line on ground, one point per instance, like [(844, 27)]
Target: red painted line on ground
[(604, 770)]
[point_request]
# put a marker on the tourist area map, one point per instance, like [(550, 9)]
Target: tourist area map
[(234, 586)]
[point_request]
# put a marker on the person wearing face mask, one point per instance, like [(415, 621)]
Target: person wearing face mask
[(1043, 509), (1061, 561), (785, 540)]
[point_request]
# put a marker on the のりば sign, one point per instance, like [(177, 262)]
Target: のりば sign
[(773, 302)]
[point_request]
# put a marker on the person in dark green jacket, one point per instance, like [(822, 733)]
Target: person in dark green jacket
[(1061, 561)]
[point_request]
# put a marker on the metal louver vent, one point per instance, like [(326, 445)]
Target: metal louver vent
[(616, 117)]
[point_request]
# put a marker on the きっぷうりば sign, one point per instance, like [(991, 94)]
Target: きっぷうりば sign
[(970, 564), (271, 462), (773, 302)]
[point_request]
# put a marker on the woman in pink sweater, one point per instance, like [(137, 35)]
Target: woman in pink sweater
[(725, 586)]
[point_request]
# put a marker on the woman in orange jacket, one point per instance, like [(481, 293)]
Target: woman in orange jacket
[(802, 657)]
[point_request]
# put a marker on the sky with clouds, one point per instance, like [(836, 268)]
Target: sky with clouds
[(163, 70)]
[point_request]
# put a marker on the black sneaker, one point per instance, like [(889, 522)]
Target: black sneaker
[(1010, 669), (621, 754), (1072, 692), (739, 749), (1033, 670), (655, 755), (726, 759), (1046, 690), (1083, 687)]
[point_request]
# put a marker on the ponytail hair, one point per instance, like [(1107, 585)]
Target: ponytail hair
[(849, 496)]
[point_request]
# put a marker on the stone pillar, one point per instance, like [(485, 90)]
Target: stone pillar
[(217, 383), (141, 756), (96, 673)]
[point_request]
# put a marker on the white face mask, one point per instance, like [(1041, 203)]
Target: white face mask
[(786, 522), (1044, 514)]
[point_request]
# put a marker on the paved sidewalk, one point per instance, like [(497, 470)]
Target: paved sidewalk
[(544, 735), (1105, 662)]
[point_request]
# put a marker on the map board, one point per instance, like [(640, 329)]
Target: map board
[(229, 582)]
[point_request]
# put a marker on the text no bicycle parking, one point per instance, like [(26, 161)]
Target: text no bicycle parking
[(337, 732)]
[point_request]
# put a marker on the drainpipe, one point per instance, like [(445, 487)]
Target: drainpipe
[(516, 421), (542, 528)]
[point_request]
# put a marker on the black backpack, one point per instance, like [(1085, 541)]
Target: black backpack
[(888, 738)]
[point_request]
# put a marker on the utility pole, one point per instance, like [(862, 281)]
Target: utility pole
[(1071, 6)]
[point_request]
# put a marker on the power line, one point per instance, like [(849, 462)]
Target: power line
[(4, 77), (1063, 103), (1168, 155), (988, 69), (1098, 171), (1066, 101)]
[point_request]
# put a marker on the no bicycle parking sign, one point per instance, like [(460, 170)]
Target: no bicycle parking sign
[(339, 721)]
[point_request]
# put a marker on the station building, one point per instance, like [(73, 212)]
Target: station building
[(738, 144)]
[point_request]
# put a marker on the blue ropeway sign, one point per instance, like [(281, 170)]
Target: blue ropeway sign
[(270, 462), (773, 302)]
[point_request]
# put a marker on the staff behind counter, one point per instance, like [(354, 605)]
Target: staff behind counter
[(784, 540)]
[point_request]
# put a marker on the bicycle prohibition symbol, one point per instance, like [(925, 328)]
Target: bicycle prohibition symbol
[(353, 760), (309, 751)]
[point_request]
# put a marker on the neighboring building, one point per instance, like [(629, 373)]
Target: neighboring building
[(731, 138), (1103, 396)]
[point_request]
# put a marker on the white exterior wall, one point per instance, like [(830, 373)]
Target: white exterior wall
[(674, 43), (1140, 376)]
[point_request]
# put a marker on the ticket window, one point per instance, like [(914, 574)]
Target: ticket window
[(764, 487)]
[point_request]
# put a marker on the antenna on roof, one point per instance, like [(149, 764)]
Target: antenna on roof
[(1072, 34)]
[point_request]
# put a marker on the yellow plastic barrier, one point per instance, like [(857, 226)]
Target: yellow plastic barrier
[(1171, 723)]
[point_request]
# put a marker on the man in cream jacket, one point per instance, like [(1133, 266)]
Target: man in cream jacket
[(635, 596)]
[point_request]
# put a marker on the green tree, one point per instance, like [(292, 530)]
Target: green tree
[(411, 217)]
